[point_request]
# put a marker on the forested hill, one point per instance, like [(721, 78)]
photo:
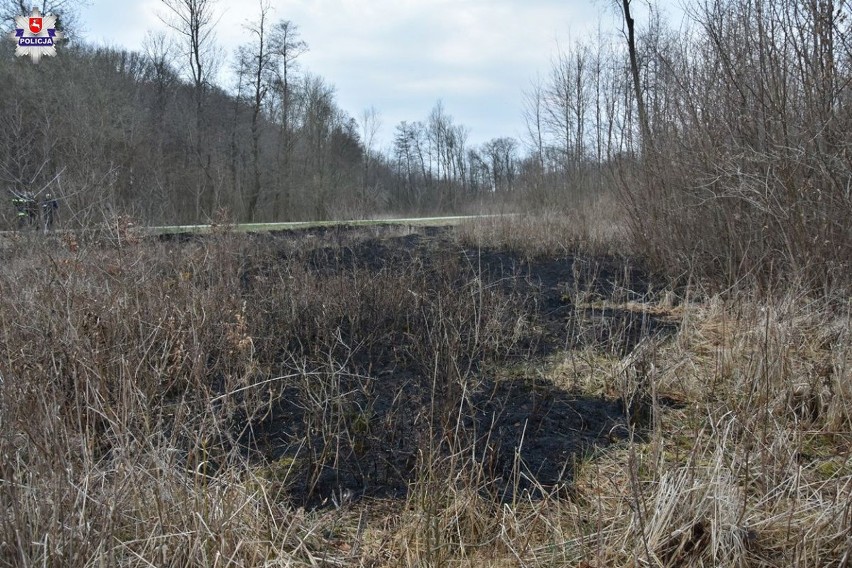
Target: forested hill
[(123, 132), (114, 130)]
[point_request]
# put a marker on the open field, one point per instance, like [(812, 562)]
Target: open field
[(507, 392)]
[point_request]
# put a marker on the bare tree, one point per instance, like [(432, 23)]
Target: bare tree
[(255, 61), (438, 128), (635, 75), (565, 103), (193, 21), (534, 119), (159, 54), (285, 48), (501, 157), (411, 163), (371, 124)]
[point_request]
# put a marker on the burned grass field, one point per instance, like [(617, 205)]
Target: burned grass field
[(384, 396), (405, 364)]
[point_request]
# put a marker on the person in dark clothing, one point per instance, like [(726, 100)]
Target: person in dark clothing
[(48, 209)]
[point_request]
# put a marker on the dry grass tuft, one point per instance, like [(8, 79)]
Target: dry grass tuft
[(594, 227)]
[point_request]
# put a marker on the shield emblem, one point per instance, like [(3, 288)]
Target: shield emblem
[(35, 25)]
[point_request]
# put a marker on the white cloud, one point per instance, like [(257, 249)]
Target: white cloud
[(400, 56), (122, 24)]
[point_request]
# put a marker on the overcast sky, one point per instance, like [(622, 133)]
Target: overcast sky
[(400, 56)]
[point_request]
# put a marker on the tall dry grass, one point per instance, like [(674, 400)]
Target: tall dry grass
[(133, 370), (752, 468), (595, 226)]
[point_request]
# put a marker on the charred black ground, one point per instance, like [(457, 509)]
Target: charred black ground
[(376, 392)]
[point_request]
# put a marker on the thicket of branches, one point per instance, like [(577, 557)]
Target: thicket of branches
[(748, 165), (742, 169)]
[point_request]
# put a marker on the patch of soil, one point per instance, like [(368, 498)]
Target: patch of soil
[(521, 431), (537, 431), (374, 437), (562, 286)]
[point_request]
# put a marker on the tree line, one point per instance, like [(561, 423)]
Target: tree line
[(152, 134)]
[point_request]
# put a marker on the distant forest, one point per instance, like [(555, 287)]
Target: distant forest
[(726, 139), (150, 134)]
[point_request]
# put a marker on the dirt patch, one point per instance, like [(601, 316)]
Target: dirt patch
[(521, 431), (568, 290), (399, 401)]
